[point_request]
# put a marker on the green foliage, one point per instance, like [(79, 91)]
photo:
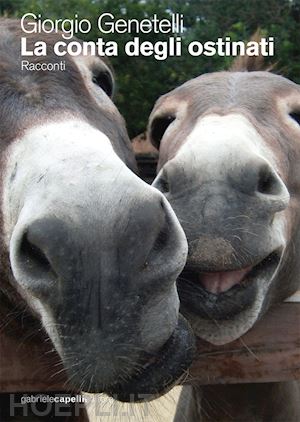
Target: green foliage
[(142, 80)]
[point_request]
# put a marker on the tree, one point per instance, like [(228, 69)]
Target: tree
[(141, 80)]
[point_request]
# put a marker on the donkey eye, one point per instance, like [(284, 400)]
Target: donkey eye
[(104, 80), (296, 116), (159, 127)]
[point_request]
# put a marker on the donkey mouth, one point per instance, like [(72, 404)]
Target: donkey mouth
[(223, 294), (161, 373), (220, 282)]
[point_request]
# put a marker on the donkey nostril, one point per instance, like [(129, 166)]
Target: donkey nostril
[(163, 236), (161, 241), (33, 258), (162, 183), (268, 182), (165, 250)]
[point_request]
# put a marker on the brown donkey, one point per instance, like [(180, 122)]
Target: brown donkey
[(89, 252), (229, 154)]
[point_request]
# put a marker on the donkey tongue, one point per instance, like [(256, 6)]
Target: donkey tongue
[(220, 282)]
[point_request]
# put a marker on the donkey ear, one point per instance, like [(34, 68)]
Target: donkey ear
[(251, 63)]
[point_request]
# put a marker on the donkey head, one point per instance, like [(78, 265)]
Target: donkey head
[(91, 249), (229, 146)]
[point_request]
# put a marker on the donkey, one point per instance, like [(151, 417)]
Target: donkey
[(88, 250), (229, 154)]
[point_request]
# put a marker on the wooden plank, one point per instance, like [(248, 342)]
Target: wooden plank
[(26, 365), (142, 146), (268, 352), (294, 298), (146, 156)]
